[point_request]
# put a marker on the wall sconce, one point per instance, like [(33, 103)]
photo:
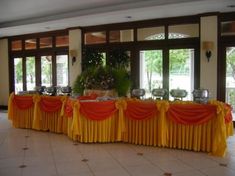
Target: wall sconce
[(208, 46), (73, 55)]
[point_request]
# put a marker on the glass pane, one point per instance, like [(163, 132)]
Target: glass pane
[(95, 37), (230, 76), (228, 28), (18, 73), (62, 41), (30, 73), (46, 71), (151, 33), (16, 45), (62, 70), (121, 36), (46, 42), (151, 70), (30, 44), (181, 63), (183, 31)]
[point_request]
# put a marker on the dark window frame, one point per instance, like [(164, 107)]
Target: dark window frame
[(53, 51), (135, 46), (223, 42)]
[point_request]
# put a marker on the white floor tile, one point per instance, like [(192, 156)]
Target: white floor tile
[(219, 171), (146, 170), (72, 168), (10, 171), (51, 154)]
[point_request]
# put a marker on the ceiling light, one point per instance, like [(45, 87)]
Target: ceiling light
[(128, 17), (231, 6)]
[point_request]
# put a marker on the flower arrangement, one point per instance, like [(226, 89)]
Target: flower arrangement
[(99, 77), (103, 78)]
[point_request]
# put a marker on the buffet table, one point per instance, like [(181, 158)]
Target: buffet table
[(179, 124)]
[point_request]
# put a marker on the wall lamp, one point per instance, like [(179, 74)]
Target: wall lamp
[(208, 46), (73, 55)]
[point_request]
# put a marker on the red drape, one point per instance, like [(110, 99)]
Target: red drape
[(98, 110), (23, 102), (69, 108), (228, 116), (140, 110), (50, 104), (191, 114)]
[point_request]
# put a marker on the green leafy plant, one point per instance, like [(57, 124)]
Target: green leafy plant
[(103, 78), (122, 81), (92, 58), (119, 58)]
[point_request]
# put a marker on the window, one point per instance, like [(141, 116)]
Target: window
[(95, 37), (30, 44), (183, 31), (46, 65), (30, 73), (46, 42), (151, 66), (228, 28), (181, 71), (164, 52), (16, 45), (152, 33), (62, 70), (121, 36), (62, 41), (18, 73)]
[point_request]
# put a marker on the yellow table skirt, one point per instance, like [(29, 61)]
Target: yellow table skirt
[(98, 131), (156, 131)]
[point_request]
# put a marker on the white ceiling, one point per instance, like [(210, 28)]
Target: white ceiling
[(29, 16)]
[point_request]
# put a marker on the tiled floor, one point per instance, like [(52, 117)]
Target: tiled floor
[(32, 153)]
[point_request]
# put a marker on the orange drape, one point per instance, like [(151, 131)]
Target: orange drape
[(228, 114), (191, 114), (23, 102), (98, 110), (50, 104), (69, 108), (140, 110)]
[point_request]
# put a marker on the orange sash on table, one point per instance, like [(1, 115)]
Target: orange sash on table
[(51, 104), (23, 102), (228, 114), (98, 110), (140, 110), (191, 114), (69, 108)]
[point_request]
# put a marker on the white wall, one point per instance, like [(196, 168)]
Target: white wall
[(4, 72), (208, 77), (75, 43)]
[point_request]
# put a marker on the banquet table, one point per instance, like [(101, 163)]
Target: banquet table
[(178, 124)]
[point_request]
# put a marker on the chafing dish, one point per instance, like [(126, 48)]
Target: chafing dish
[(201, 95), (159, 93), (40, 89), (138, 93), (66, 90), (178, 93), (51, 90)]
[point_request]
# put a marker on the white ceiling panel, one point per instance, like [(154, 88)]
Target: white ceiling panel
[(28, 16)]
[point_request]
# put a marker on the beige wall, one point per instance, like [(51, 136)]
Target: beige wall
[(208, 77), (75, 42), (4, 72)]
